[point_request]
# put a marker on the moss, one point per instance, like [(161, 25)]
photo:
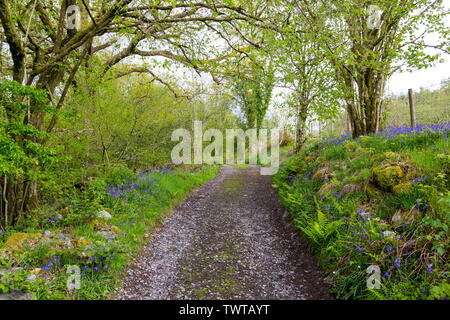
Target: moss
[(387, 177), (364, 138), (360, 176), (349, 188), (17, 241), (372, 191), (388, 157), (98, 225), (321, 174), (309, 158), (404, 186), (80, 242), (326, 189), (392, 156), (361, 151), (321, 159), (411, 171), (350, 145)]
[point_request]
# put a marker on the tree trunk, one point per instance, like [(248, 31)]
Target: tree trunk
[(16, 198), (364, 104), (300, 129)]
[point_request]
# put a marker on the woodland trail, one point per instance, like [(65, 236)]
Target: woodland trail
[(230, 239)]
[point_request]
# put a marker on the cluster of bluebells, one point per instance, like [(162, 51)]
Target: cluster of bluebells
[(49, 267), (355, 234), (337, 141), (146, 183), (390, 132)]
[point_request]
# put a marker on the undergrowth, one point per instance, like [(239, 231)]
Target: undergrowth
[(37, 254), (375, 203)]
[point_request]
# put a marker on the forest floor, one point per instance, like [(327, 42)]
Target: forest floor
[(230, 239)]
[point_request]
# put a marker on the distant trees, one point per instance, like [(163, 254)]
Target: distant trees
[(366, 41), (252, 87)]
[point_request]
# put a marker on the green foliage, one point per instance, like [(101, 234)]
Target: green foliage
[(252, 87), (319, 230), (20, 149), (351, 231), (101, 259)]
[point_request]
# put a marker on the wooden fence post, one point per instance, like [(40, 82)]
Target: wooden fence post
[(411, 108)]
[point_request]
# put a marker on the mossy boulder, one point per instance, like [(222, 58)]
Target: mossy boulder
[(309, 157), (404, 186), (326, 188), (349, 188), (364, 138), (321, 159), (102, 226), (322, 173), (81, 242), (388, 157), (411, 171), (350, 145), (388, 176), (17, 241), (360, 151), (372, 191)]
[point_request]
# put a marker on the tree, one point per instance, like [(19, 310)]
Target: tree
[(45, 51), (252, 86), (302, 68), (366, 41)]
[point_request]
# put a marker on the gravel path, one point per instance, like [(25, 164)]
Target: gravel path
[(230, 239)]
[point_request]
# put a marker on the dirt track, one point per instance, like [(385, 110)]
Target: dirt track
[(230, 239)]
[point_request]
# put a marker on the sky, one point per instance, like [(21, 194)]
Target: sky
[(399, 83), (426, 78)]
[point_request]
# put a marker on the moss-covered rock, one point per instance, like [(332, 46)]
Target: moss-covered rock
[(372, 191), (349, 188), (350, 145), (309, 157), (388, 176), (102, 226), (321, 174), (364, 138), (326, 188), (363, 151), (81, 242), (321, 159), (404, 186), (411, 171), (388, 157), (17, 241)]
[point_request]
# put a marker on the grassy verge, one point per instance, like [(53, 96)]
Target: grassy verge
[(36, 255), (375, 211)]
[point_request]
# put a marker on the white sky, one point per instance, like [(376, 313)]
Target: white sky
[(426, 78)]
